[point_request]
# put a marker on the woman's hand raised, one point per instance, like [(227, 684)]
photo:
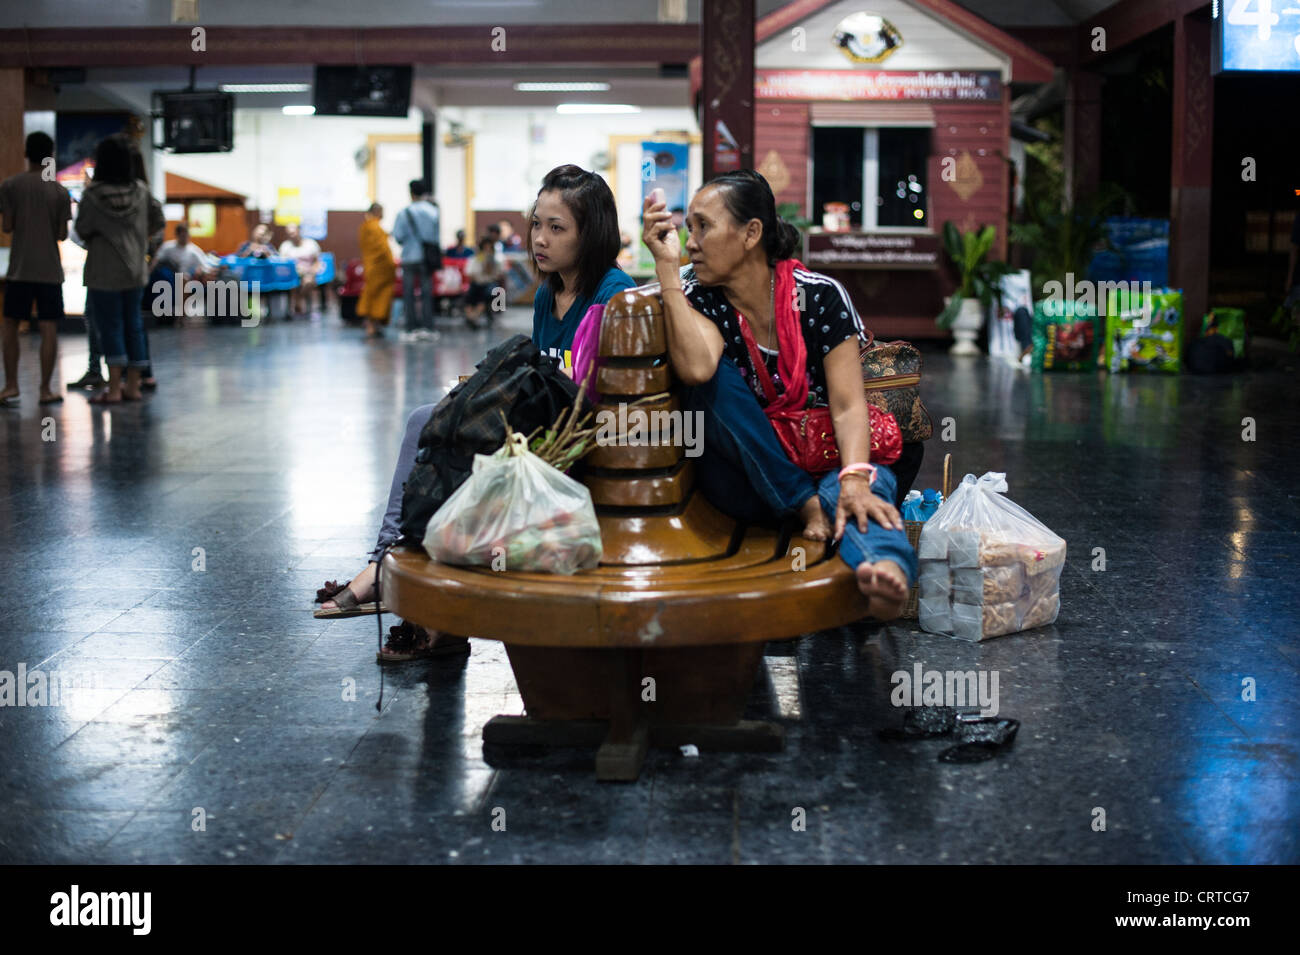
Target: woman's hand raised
[(657, 230)]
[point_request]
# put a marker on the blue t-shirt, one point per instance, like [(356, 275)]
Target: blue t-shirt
[(554, 337)]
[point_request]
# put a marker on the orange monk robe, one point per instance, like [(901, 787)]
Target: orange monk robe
[(380, 273)]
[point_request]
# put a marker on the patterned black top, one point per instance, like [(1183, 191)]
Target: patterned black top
[(827, 319)]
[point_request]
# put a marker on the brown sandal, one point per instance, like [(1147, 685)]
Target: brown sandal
[(346, 603), (403, 640)]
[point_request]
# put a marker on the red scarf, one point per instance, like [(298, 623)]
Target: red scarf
[(792, 357)]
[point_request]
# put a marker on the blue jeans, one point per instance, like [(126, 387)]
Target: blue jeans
[(745, 473), (414, 273), (121, 328), (389, 531), (92, 336)]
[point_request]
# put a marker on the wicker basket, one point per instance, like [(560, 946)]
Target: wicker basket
[(913, 529)]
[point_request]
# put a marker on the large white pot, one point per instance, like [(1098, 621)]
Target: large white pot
[(966, 326)]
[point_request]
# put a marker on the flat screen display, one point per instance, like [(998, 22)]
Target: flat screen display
[(196, 121), (362, 90)]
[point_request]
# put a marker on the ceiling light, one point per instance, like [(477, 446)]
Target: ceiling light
[(574, 108), (298, 110), (265, 87), (561, 87)]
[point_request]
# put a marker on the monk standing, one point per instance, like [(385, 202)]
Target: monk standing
[(380, 273)]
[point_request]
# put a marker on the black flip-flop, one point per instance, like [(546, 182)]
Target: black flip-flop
[(980, 740), (924, 722), (401, 645), (54, 400), (345, 603)]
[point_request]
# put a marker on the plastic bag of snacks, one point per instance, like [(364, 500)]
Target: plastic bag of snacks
[(1065, 335), (987, 566), (516, 512), (1144, 331)]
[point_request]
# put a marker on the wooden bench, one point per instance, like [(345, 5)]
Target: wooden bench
[(684, 596)]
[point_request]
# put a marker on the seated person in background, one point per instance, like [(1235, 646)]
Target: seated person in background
[(745, 290), (460, 250), (626, 252), (184, 257), (494, 233), (306, 259), (486, 274), (258, 245), (509, 238)]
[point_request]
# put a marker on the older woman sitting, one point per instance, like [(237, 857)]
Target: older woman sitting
[(745, 302)]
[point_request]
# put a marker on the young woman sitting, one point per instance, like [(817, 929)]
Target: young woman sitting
[(573, 243), (745, 297)]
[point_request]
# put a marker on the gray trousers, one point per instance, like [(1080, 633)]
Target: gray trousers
[(388, 531), (414, 273)]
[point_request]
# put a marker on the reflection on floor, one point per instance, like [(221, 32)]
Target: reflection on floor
[(161, 559)]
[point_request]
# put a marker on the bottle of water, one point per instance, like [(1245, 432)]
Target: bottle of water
[(911, 506), (930, 502)]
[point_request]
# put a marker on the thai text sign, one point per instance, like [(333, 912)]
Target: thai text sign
[(860, 250), (984, 86)]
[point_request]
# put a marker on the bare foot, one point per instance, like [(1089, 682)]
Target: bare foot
[(8, 393), (816, 526), (885, 585), (362, 586)]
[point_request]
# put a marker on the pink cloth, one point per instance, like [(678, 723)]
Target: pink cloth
[(586, 348)]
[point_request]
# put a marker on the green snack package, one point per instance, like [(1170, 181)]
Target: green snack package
[(1144, 331), (1065, 336)]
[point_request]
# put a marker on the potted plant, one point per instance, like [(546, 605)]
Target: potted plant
[(964, 311), (1064, 240)]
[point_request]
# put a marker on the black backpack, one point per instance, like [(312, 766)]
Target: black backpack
[(1211, 355), (515, 378)]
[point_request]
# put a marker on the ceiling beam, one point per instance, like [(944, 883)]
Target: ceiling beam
[(1129, 21), (441, 46)]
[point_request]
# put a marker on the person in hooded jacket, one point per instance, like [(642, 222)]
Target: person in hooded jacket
[(115, 220)]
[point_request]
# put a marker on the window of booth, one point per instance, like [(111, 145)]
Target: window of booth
[(876, 174)]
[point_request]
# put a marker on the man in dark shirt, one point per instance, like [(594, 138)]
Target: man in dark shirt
[(36, 209)]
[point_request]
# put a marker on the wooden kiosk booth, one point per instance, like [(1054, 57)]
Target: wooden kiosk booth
[(881, 120)]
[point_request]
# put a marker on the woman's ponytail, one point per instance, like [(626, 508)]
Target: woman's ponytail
[(787, 242)]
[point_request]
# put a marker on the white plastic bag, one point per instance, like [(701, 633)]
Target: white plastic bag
[(516, 512), (988, 567)]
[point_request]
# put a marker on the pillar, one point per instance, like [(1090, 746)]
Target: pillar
[(1189, 201), (12, 106), (727, 85), (1082, 145)]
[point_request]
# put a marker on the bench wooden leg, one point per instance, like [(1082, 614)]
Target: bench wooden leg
[(622, 754), (526, 731), (620, 759)]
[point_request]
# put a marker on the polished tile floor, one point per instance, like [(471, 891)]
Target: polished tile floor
[(162, 558)]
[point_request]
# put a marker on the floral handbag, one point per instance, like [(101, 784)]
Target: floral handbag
[(891, 377)]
